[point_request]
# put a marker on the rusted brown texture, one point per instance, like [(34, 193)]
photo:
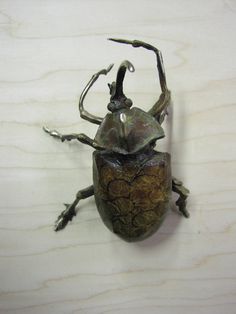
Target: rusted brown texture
[(132, 192)]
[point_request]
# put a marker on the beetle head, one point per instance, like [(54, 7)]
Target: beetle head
[(118, 100)]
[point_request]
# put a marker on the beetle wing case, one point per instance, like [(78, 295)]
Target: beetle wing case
[(132, 192)]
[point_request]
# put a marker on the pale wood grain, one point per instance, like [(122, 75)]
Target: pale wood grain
[(49, 50)]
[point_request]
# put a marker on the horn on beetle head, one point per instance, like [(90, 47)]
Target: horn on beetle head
[(118, 99)]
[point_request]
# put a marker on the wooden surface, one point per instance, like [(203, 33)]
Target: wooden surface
[(49, 50)]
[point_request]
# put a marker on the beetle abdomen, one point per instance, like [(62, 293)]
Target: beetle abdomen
[(132, 192)]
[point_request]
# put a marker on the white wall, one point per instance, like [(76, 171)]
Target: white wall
[(49, 50)]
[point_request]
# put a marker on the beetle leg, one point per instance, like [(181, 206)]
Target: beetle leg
[(83, 113), (177, 186), (70, 210), (159, 109), (83, 138)]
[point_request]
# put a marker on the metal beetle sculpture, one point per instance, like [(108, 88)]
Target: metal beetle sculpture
[(132, 182)]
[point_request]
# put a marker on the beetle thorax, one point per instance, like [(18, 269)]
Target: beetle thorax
[(126, 131)]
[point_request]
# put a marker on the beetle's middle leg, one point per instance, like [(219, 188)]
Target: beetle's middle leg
[(70, 210), (83, 138), (177, 186)]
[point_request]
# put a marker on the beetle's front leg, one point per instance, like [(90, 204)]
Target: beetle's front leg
[(159, 109), (70, 210), (83, 138), (177, 186), (83, 113)]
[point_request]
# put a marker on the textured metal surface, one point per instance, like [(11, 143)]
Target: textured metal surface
[(128, 131), (132, 192)]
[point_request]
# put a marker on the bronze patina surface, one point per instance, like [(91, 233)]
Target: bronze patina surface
[(132, 182), (136, 131), (132, 193)]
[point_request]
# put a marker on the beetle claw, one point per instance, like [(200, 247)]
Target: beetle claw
[(64, 217), (181, 203), (60, 224), (121, 41), (109, 67), (46, 129), (134, 43), (184, 212), (53, 133), (104, 71)]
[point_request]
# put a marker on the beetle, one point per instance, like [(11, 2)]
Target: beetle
[(132, 182)]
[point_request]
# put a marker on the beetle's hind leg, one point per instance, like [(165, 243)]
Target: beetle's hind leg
[(177, 186), (70, 210)]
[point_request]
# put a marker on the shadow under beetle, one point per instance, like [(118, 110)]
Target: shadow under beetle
[(132, 182)]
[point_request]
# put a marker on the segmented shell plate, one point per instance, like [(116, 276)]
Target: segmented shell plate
[(127, 131), (132, 194)]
